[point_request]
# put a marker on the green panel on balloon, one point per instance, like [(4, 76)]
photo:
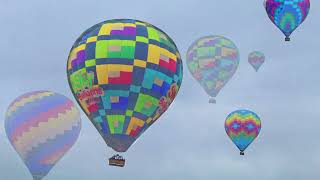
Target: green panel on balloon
[(101, 49), (90, 63), (146, 104), (153, 34), (142, 39), (116, 123)]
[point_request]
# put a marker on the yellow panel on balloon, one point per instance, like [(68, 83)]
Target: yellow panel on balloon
[(134, 122)]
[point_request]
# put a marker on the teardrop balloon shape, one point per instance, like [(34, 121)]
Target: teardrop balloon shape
[(124, 73), (287, 15), (242, 126), (212, 61), (42, 126), (256, 59)]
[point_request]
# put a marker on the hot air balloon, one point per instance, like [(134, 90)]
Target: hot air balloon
[(42, 126), (242, 126), (212, 61), (124, 73), (287, 15), (256, 59)]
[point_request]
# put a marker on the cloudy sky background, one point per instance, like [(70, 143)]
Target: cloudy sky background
[(189, 141)]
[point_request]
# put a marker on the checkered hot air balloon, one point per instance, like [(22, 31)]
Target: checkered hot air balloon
[(287, 15), (42, 126), (212, 61), (124, 73), (242, 126)]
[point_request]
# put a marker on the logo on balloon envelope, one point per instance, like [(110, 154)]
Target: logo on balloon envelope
[(85, 91), (130, 72)]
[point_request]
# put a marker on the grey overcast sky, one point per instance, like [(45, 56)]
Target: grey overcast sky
[(189, 141)]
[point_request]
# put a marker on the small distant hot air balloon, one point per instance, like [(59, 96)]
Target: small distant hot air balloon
[(287, 15), (42, 126), (256, 59), (212, 61), (242, 126), (124, 73)]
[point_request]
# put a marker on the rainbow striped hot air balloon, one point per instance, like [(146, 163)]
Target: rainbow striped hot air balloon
[(242, 126), (287, 15), (42, 126)]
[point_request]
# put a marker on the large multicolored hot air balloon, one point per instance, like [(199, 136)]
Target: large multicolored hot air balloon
[(242, 126), (124, 73), (42, 126), (212, 60), (256, 59), (287, 15)]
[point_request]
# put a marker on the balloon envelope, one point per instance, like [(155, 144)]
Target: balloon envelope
[(212, 60), (287, 15), (42, 126), (124, 73), (242, 126), (256, 59)]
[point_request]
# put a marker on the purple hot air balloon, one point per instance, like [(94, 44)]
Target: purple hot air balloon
[(287, 15)]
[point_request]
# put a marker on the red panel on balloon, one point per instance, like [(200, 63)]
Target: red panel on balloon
[(134, 133), (171, 65), (125, 78)]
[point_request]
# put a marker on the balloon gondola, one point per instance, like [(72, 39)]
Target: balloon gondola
[(117, 160), (212, 101)]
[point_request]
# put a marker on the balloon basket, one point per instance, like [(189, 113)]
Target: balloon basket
[(241, 153), (117, 160), (212, 101), (38, 176), (287, 39)]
